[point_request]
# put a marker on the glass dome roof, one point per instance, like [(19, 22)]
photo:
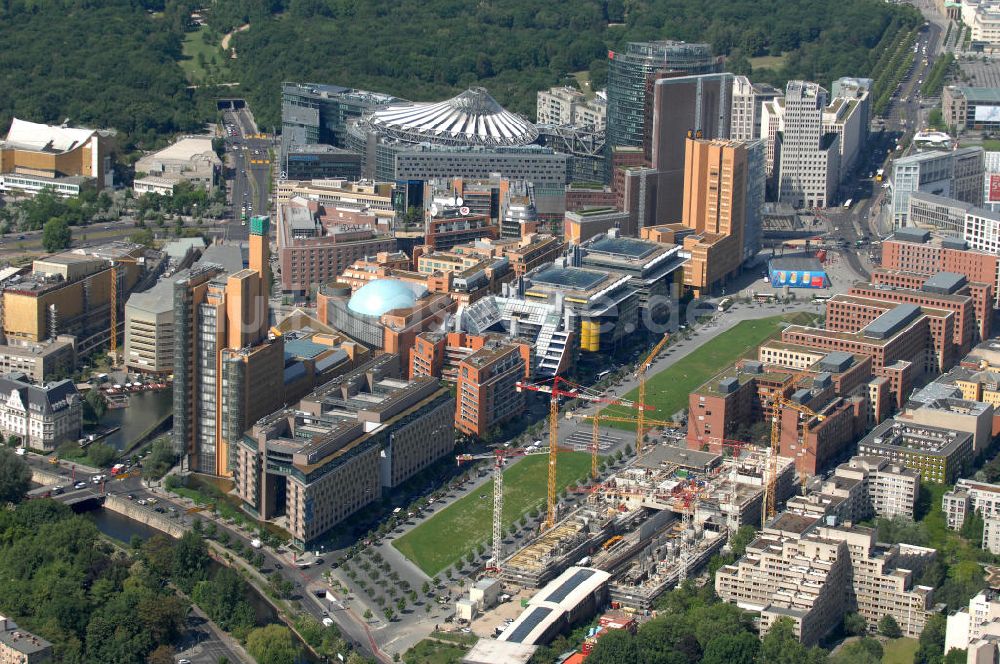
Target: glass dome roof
[(382, 295)]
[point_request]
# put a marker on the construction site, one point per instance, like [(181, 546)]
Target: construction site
[(653, 523)]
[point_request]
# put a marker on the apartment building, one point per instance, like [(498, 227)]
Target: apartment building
[(971, 417), (487, 394), (892, 344), (917, 251), (19, 646), (939, 455), (976, 628), (860, 489), (943, 291), (970, 496), (852, 313), (40, 362), (314, 250), (903, 280), (563, 105), (814, 574)]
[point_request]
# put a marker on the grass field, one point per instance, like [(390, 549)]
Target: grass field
[(899, 651), (769, 61), (431, 651), (449, 535), (667, 391), (991, 145), (193, 45)]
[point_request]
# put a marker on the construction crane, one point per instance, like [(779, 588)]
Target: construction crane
[(641, 375), (769, 508), (114, 298), (598, 418), (499, 456), (572, 391)]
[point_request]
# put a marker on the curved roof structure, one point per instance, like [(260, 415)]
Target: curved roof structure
[(382, 295), (48, 138), (471, 118)]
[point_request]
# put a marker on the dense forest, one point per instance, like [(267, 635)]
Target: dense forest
[(427, 49), (114, 63), (107, 64)]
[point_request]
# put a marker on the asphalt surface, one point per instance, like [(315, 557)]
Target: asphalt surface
[(250, 156)]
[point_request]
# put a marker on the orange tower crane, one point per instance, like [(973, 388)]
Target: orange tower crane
[(571, 391)]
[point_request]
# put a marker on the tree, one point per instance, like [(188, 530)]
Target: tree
[(615, 647), (426, 588), (144, 237), (101, 454), (162, 655), (400, 604), (15, 477), (368, 614), (56, 235), (781, 646), (972, 527), (862, 651), (739, 648), (932, 640), (272, 644), (855, 624), (95, 405), (190, 561), (388, 613), (741, 539), (889, 628)]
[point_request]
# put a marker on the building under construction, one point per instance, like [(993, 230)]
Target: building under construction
[(655, 522)]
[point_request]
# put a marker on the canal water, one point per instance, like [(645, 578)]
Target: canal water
[(122, 528), (145, 409)]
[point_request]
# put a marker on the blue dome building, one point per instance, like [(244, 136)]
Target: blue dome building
[(382, 295)]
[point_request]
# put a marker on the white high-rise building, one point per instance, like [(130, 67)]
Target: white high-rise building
[(748, 101), (810, 157)]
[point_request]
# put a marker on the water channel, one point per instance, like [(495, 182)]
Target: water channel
[(123, 529), (145, 410)]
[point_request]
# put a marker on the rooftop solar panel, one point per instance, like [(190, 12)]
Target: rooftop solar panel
[(529, 623), (570, 584)]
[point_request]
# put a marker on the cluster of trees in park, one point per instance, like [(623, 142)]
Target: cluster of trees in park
[(934, 82), (109, 64), (516, 48), (62, 582)]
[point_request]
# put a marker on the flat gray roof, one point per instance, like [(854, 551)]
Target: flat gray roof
[(891, 321), (944, 283), (911, 235)]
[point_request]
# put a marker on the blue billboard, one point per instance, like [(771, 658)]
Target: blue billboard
[(798, 278)]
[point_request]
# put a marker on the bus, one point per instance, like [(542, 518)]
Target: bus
[(725, 303), (847, 203)]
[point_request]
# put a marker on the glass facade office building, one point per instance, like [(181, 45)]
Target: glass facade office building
[(627, 73)]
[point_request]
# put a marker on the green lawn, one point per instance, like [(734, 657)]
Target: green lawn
[(991, 145), (769, 61), (458, 529), (193, 46), (667, 391), (430, 651), (899, 651)]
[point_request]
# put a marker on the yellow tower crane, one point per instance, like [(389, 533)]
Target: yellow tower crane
[(560, 387), (769, 508), (114, 299), (641, 375), (598, 418)]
